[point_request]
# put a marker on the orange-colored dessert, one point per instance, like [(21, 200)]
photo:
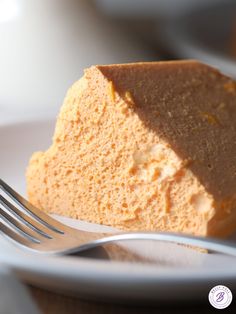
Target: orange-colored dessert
[(144, 146)]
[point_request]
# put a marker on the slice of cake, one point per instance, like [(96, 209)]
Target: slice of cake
[(143, 146)]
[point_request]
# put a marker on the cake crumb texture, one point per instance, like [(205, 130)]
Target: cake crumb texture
[(143, 146)]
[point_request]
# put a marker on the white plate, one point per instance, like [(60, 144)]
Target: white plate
[(174, 273)]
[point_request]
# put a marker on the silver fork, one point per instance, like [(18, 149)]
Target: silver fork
[(32, 229)]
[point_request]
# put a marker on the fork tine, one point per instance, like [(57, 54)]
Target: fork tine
[(16, 226), (37, 214), (12, 235), (25, 219)]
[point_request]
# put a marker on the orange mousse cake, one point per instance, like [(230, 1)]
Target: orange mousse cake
[(143, 146)]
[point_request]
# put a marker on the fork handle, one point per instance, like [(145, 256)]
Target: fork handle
[(211, 244)]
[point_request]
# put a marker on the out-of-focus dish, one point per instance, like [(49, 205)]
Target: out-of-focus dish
[(206, 33)]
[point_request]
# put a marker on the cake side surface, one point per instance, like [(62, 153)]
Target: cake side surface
[(143, 147)]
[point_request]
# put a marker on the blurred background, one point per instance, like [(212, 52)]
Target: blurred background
[(46, 44)]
